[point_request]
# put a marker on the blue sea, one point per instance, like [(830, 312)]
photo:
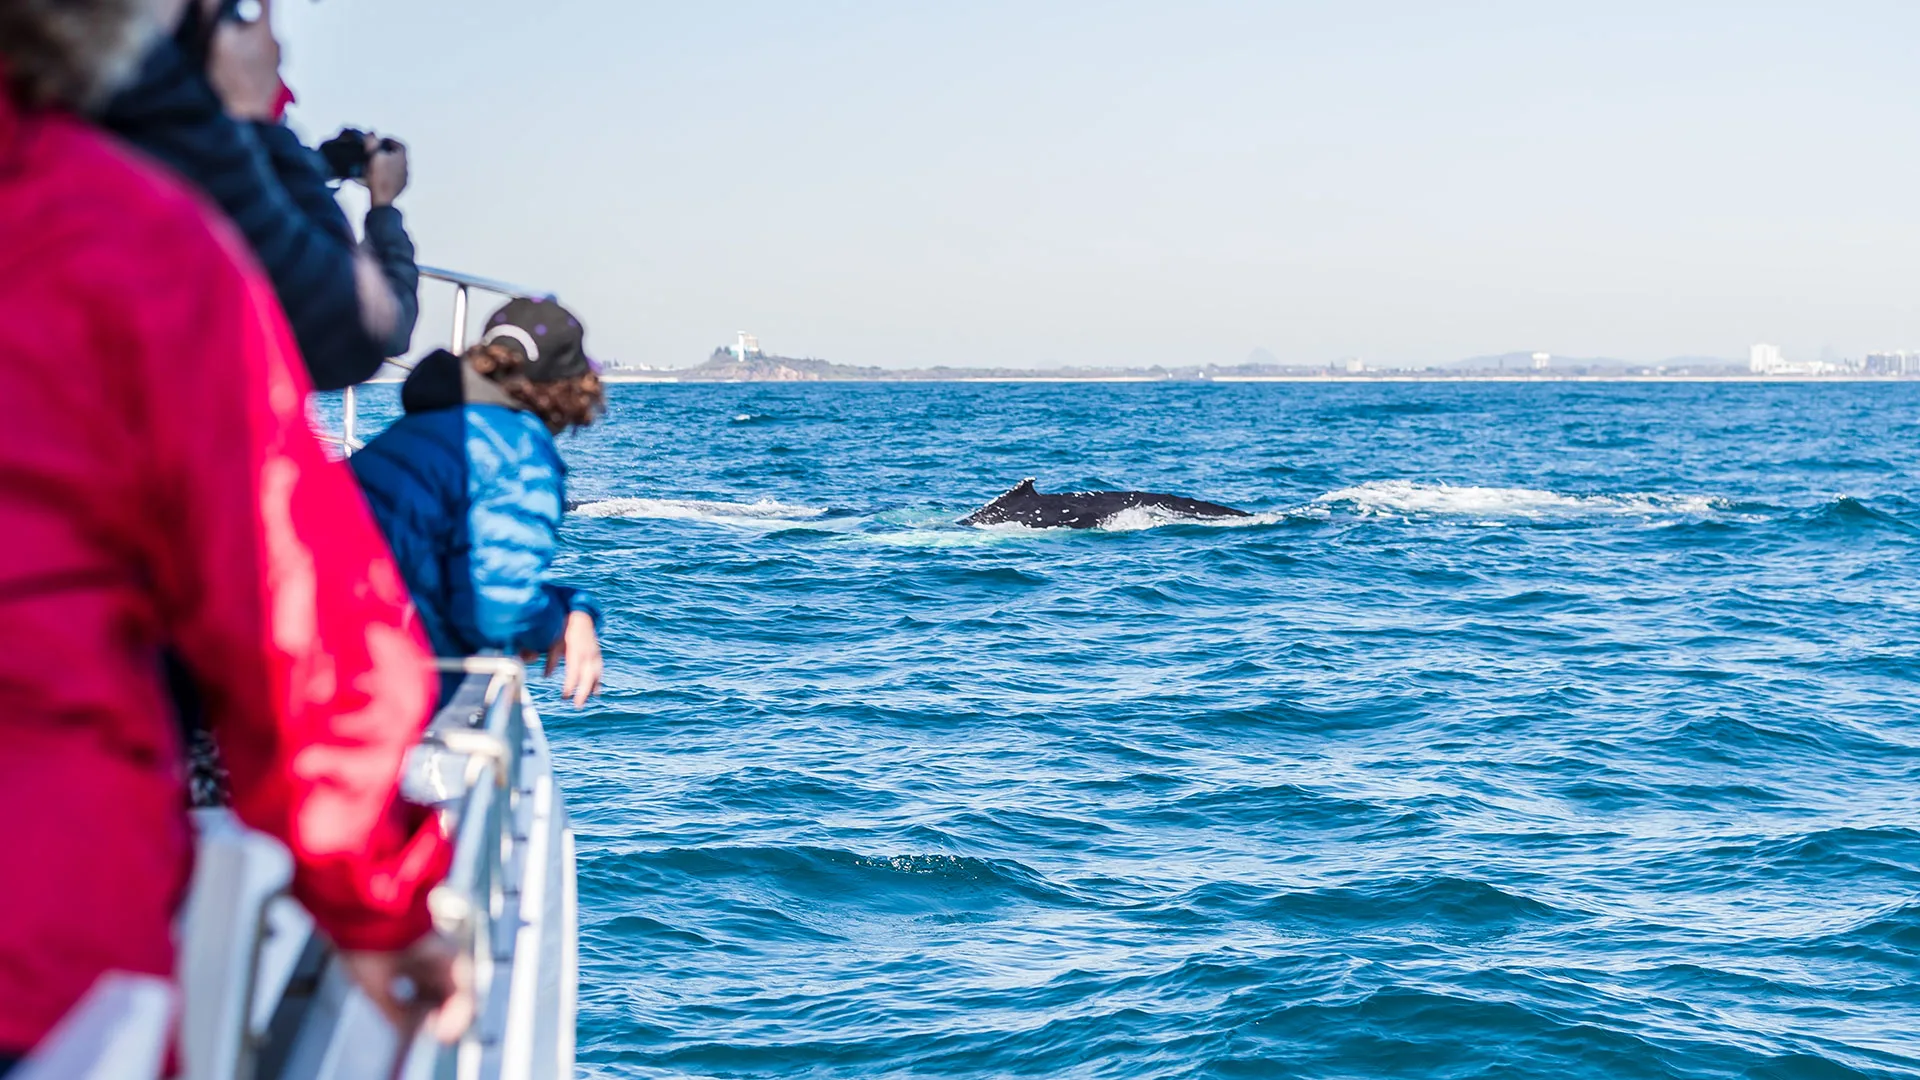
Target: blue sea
[(1567, 731)]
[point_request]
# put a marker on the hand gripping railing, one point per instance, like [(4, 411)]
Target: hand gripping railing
[(463, 284)]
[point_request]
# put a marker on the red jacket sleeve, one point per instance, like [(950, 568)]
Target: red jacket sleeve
[(288, 609)]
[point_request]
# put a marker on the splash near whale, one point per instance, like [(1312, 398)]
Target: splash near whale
[(1087, 509)]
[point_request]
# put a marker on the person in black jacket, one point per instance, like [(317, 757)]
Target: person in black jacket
[(207, 103)]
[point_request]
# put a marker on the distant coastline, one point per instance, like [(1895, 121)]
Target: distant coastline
[(740, 366), (726, 366), (1383, 377)]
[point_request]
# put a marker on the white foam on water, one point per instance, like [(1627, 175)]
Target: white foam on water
[(1136, 518), (760, 514), (1497, 503)]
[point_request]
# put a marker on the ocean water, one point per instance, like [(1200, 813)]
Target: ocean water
[(1565, 731)]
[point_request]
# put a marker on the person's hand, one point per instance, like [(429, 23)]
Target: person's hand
[(386, 170), (429, 982), (579, 646), (243, 64)]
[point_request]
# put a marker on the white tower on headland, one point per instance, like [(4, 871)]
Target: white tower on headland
[(1765, 360), (745, 345)]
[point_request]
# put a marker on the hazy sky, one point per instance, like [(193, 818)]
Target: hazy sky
[(1038, 183)]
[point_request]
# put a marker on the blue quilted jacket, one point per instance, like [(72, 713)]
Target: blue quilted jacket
[(470, 497)]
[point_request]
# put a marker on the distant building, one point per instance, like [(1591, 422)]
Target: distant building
[(1354, 365), (745, 346), (1893, 363), (1766, 360), (1541, 360)]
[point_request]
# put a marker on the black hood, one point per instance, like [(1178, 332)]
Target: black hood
[(434, 384)]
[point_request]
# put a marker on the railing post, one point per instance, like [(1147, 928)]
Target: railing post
[(459, 335), (347, 409), (463, 285)]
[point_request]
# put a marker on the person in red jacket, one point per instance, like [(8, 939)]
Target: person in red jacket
[(160, 489)]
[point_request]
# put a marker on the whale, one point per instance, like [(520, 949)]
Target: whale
[(1024, 505)]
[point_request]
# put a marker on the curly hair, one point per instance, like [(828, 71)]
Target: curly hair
[(561, 404), (70, 54)]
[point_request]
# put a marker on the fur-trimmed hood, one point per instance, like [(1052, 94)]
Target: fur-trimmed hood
[(71, 54)]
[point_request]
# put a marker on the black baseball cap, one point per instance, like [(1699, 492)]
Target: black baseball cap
[(554, 341)]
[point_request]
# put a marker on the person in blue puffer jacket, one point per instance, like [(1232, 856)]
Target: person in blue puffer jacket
[(469, 488)]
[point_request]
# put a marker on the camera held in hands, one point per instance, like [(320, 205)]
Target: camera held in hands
[(347, 155)]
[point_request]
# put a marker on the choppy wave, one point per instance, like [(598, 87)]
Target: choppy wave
[(1847, 513)]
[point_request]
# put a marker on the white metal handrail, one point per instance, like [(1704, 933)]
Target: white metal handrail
[(463, 285), (476, 905), (508, 902), (118, 1031)]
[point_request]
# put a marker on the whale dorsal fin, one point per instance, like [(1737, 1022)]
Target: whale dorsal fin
[(1024, 487), (991, 513)]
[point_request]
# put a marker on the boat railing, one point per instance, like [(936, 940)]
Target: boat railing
[(263, 997), (477, 749), (463, 287), (120, 1030)]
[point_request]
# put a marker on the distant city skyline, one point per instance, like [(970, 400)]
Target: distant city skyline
[(1134, 184)]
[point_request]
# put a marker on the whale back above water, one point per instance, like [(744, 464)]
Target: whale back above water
[(1085, 509)]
